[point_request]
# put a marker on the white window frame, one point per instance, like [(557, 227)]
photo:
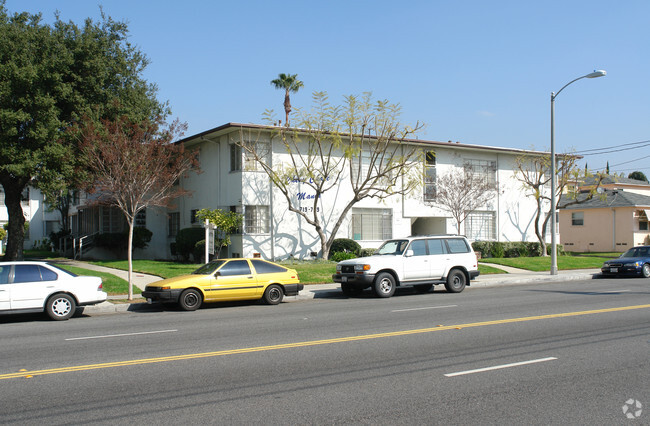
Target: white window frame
[(429, 190), (370, 224), (256, 220), (481, 226), (577, 218)]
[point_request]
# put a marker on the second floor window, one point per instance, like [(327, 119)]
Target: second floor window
[(430, 176)]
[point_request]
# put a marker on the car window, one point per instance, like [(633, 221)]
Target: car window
[(208, 268), (435, 246), (419, 247), (47, 274), (235, 267), (4, 274), (457, 245), (262, 267), (26, 273), (392, 247)]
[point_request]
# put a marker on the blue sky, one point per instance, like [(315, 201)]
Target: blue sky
[(476, 72)]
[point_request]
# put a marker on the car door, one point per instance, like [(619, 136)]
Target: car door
[(439, 258), (30, 288), (416, 261), (5, 288), (234, 281)]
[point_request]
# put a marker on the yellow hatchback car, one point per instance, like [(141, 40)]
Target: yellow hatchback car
[(227, 280)]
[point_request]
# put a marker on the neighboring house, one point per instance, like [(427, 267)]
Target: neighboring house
[(231, 180), (615, 219)]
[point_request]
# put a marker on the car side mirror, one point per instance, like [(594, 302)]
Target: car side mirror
[(409, 253)]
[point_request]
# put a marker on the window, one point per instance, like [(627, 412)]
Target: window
[(256, 220), (26, 273), (372, 224), (112, 220), (430, 176), (235, 157), (481, 226), (235, 267), (419, 247), (263, 150), (457, 245), (262, 267), (484, 169), (577, 219), (4, 274), (435, 246), (193, 218), (643, 219), (174, 223)]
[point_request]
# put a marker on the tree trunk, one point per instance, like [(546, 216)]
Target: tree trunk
[(287, 108), (16, 231), (129, 256)]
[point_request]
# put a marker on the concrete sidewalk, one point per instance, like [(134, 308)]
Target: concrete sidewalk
[(514, 276)]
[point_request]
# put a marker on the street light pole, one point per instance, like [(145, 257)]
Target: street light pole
[(597, 73)]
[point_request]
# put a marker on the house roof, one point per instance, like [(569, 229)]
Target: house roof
[(609, 199), (615, 180), (229, 127)]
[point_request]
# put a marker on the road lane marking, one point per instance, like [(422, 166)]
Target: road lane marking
[(421, 309), (120, 335), (498, 367), (310, 343)]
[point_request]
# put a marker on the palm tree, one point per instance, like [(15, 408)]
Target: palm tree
[(289, 83)]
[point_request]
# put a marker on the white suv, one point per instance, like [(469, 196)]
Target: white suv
[(421, 262)]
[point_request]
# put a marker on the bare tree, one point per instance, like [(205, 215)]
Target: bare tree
[(462, 191), (361, 143), (134, 165), (533, 171)]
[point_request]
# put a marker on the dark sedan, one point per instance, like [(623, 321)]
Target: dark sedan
[(634, 262)]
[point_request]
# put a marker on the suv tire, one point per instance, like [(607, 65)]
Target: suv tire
[(456, 281), (384, 285)]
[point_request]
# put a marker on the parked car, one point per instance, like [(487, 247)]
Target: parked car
[(634, 262), (42, 287), (421, 262), (227, 280)]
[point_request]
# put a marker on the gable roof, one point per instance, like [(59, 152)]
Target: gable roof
[(615, 180), (609, 199)]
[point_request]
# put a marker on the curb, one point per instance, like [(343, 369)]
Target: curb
[(331, 290)]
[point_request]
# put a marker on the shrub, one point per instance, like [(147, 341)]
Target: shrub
[(342, 255), (186, 240), (365, 252), (498, 250), (344, 245), (199, 251)]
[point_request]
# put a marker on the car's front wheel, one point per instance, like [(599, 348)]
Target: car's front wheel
[(60, 307), (190, 300), (646, 270), (273, 294), (384, 285), (456, 281)]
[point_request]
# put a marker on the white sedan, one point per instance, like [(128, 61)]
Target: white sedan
[(41, 287)]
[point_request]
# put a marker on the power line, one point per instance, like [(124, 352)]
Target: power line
[(615, 148)]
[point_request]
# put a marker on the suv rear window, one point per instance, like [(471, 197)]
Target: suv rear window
[(457, 245)]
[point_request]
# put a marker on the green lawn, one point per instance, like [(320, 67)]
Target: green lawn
[(539, 264), (111, 283)]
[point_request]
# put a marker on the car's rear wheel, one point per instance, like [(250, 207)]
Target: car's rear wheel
[(273, 294), (384, 285), (60, 307), (190, 300), (456, 281), (646, 270), (423, 288)]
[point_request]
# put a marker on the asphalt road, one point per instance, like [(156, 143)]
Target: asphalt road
[(553, 353)]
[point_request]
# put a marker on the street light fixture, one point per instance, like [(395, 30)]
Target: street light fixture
[(596, 73)]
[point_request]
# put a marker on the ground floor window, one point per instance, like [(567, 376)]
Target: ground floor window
[(372, 224), (577, 218), (481, 226), (174, 223), (256, 220)]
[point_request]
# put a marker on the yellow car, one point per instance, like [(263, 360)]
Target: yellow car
[(227, 280)]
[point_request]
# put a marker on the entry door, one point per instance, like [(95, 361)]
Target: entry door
[(235, 280), (416, 261)]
